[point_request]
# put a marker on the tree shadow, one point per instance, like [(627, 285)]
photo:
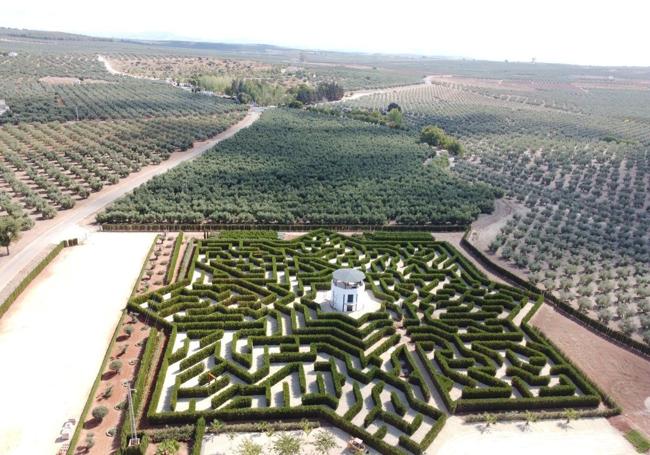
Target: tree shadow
[(108, 375), (92, 423), (524, 427)]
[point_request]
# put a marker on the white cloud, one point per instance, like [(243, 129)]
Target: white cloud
[(585, 32)]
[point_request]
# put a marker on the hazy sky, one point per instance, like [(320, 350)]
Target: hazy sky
[(613, 32)]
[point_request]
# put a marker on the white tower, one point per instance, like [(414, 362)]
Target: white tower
[(347, 288)]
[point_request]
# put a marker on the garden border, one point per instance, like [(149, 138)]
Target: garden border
[(208, 227)]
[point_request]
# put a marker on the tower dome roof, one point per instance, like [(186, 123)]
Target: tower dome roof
[(348, 275)]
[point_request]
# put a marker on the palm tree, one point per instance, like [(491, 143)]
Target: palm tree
[(248, 447), (570, 414), (287, 444), (490, 419), (168, 447), (324, 441), (530, 418), (216, 426), (306, 426)]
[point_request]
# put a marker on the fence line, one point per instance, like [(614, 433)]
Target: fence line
[(192, 227)]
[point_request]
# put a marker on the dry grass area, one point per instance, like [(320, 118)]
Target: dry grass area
[(619, 372), (178, 68)]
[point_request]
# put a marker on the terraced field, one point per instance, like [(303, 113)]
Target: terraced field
[(252, 337)]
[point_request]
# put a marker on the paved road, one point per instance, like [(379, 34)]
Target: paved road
[(72, 223)]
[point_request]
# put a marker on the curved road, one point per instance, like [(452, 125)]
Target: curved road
[(70, 223)]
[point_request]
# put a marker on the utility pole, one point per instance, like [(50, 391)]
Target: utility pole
[(134, 441), (76, 111)]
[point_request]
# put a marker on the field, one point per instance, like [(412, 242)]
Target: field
[(289, 72), (47, 167), (32, 98), (581, 175), (251, 337), (294, 166), (229, 339), (70, 128)]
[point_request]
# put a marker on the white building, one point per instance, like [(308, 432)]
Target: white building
[(347, 290)]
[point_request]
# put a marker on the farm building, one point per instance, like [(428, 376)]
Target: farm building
[(347, 288)]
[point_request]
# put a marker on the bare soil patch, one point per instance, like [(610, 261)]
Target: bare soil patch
[(620, 373), (488, 226), (56, 80), (128, 351)]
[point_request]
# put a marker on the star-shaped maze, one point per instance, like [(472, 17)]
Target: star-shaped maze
[(252, 336)]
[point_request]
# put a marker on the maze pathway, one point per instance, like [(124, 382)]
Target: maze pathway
[(251, 337)]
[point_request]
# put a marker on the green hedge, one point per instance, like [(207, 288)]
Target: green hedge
[(29, 278), (198, 436)]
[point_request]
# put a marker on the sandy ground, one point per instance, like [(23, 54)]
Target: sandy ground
[(585, 436), (61, 226), (620, 373), (110, 69), (487, 226), (454, 239), (221, 444), (53, 338)]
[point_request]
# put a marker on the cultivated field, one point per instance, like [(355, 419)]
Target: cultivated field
[(581, 178), (70, 128), (294, 166), (45, 167), (215, 73)]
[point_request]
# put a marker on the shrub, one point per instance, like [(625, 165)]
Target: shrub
[(115, 366), (167, 447), (100, 412)]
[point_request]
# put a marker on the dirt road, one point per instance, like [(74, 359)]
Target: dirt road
[(619, 372), (69, 223)]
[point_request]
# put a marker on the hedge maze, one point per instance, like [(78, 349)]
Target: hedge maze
[(249, 340)]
